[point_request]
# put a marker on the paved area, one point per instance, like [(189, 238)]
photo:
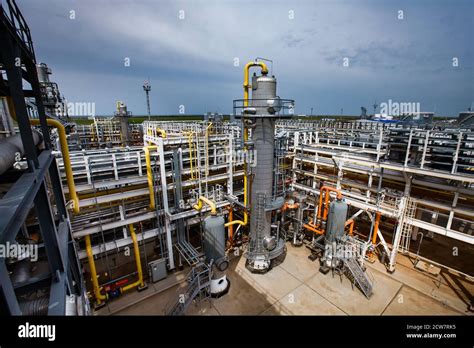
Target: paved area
[(296, 287)]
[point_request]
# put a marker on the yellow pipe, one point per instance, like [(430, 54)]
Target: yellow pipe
[(190, 140), (149, 174), (246, 77), (231, 227), (139, 282), (210, 203), (246, 189), (95, 283), (264, 68), (66, 159), (11, 107), (207, 148), (162, 132)]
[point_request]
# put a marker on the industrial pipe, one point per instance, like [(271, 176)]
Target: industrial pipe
[(289, 206), (139, 283), (160, 131), (351, 224), (210, 203), (149, 174), (231, 227), (239, 222), (313, 228), (246, 189), (66, 159), (264, 68), (95, 283), (246, 78), (207, 148), (376, 228), (324, 191), (191, 160)]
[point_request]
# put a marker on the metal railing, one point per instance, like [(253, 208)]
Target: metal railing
[(17, 22), (276, 107)]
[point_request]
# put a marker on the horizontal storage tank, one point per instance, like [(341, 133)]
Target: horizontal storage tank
[(336, 220)]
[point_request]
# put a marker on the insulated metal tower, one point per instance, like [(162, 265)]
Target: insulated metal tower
[(147, 89), (259, 114)]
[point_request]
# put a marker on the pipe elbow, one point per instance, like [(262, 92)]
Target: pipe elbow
[(198, 206), (67, 160), (235, 222), (210, 203)]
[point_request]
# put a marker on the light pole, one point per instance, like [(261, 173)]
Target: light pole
[(147, 89)]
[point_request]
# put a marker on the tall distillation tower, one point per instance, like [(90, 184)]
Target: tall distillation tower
[(258, 115)]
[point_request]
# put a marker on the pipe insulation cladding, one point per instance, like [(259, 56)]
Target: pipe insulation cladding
[(263, 246), (11, 146), (263, 89)]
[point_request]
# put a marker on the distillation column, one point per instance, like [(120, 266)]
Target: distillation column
[(262, 111)]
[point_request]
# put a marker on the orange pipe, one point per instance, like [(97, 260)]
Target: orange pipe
[(313, 229), (290, 206), (324, 191), (351, 224), (376, 228)]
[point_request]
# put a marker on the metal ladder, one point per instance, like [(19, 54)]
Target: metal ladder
[(188, 252), (199, 280), (256, 246), (409, 213), (358, 276)]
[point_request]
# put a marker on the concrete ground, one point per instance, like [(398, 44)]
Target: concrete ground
[(296, 287)]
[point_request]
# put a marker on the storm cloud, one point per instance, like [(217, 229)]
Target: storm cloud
[(188, 50)]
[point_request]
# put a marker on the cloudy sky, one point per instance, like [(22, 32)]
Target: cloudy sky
[(404, 56)]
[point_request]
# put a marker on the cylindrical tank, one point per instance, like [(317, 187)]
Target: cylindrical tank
[(214, 249), (214, 237), (263, 89), (263, 136), (336, 220), (43, 72), (122, 115)]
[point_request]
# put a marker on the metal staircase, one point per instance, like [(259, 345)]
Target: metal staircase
[(409, 213), (199, 280), (357, 276)]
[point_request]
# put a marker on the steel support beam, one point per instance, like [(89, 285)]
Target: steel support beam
[(17, 202)]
